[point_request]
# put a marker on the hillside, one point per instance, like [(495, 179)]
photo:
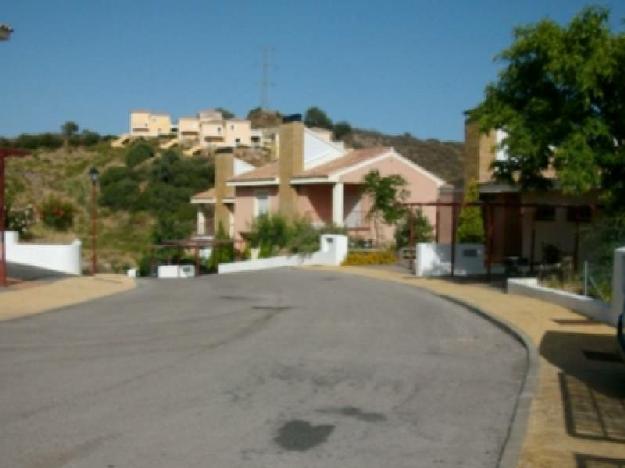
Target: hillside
[(124, 234), (443, 158)]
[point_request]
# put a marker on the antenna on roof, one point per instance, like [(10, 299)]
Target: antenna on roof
[(265, 82)]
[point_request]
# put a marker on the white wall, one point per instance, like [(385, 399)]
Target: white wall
[(432, 259), (592, 308), (64, 258), (333, 252)]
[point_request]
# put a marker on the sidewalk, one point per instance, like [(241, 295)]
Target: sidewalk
[(35, 297), (577, 415)]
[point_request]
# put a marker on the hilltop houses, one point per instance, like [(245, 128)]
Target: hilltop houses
[(206, 129)]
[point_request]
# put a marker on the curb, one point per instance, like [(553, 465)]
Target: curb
[(511, 449)]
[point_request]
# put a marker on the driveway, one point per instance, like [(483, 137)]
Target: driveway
[(287, 368)]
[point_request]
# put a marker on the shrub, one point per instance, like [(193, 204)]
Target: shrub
[(270, 233), (421, 229), (470, 222), (223, 250), (57, 214), (20, 220), (371, 257), (599, 241), (138, 153)]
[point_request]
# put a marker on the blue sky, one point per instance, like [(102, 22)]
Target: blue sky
[(396, 66)]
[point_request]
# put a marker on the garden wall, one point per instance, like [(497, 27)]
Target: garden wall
[(333, 251), (432, 259), (587, 306), (64, 258)]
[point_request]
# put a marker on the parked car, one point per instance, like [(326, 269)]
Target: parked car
[(620, 335)]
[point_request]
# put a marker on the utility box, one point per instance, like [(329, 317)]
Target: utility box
[(176, 271)]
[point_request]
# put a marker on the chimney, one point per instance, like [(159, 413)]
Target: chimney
[(224, 170), (290, 162), (479, 153)]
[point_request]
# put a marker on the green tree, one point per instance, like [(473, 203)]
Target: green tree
[(138, 153), (387, 196), (315, 117), (225, 113), (470, 222), (68, 130), (341, 130), (561, 100)]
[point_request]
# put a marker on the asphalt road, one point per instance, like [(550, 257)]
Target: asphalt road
[(286, 368)]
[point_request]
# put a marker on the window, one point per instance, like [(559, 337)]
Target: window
[(262, 203)]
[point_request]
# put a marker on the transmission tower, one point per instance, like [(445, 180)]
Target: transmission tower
[(265, 82)]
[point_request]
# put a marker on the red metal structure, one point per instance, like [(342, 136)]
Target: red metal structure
[(488, 212), (5, 153)]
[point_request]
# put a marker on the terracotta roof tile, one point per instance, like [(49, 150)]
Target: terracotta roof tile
[(271, 170), (268, 171), (351, 158), (210, 193)]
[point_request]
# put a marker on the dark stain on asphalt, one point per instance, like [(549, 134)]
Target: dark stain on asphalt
[(299, 436), (236, 298), (356, 413)]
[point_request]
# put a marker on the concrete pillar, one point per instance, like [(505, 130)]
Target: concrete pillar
[(338, 215), (618, 284)]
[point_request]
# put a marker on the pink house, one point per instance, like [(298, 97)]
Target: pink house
[(313, 177)]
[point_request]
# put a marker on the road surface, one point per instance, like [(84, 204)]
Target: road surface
[(285, 368)]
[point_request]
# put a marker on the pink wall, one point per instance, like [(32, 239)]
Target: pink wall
[(315, 202), (422, 187), (244, 206)]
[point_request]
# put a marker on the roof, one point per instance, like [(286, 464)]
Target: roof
[(209, 197), (270, 171), (210, 193), (266, 172), (350, 159)]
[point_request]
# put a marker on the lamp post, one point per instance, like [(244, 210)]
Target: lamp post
[(93, 175)]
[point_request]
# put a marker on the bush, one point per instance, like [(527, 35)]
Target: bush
[(371, 257), (223, 250), (599, 241), (270, 233), (20, 220), (57, 214), (470, 222), (421, 229), (138, 153)]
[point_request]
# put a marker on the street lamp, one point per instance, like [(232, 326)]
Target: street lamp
[(93, 175), (5, 32)]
